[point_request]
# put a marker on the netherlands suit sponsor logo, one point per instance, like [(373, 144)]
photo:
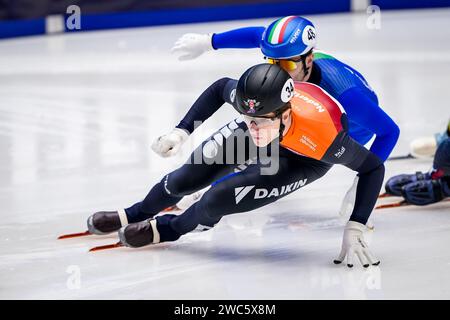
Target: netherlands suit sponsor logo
[(340, 152), (241, 192), (262, 193), (308, 100)]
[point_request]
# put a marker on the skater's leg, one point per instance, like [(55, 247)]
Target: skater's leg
[(236, 193), (156, 201), (247, 191), (210, 161)]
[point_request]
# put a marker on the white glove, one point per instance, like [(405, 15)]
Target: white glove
[(189, 200), (349, 200), (353, 243), (168, 145), (423, 147), (192, 45)]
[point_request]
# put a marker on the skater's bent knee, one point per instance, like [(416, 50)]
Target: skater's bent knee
[(370, 164), (214, 203), (179, 187)]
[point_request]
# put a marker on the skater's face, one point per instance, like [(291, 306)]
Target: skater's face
[(295, 67), (266, 128)]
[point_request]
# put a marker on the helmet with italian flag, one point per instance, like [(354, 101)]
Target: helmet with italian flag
[(288, 37)]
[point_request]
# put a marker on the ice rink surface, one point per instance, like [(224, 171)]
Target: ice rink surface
[(78, 113)]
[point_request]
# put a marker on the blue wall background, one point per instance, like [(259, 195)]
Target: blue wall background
[(28, 17)]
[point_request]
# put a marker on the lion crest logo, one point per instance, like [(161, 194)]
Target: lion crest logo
[(251, 104)]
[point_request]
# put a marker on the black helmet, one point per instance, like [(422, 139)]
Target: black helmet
[(262, 89)]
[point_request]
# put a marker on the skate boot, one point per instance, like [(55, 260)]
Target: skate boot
[(395, 184), (150, 231), (104, 222), (421, 193)]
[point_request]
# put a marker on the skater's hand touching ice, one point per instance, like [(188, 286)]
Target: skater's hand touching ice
[(192, 45), (353, 243), (169, 144)]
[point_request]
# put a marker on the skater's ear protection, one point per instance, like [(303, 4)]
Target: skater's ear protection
[(280, 115)]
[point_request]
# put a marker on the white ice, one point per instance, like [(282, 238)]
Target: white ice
[(78, 113)]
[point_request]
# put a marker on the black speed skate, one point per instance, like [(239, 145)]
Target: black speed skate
[(104, 222), (150, 231), (139, 234)]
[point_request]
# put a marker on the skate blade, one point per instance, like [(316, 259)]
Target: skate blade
[(106, 247), (404, 204), (172, 208), (404, 157), (393, 205), (385, 195), (74, 235)]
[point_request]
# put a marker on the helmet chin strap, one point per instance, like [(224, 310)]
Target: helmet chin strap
[(282, 126), (279, 115), (305, 68)]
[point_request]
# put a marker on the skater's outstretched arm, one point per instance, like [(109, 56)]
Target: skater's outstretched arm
[(369, 115), (346, 151), (245, 38), (366, 188), (191, 45), (208, 103)]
